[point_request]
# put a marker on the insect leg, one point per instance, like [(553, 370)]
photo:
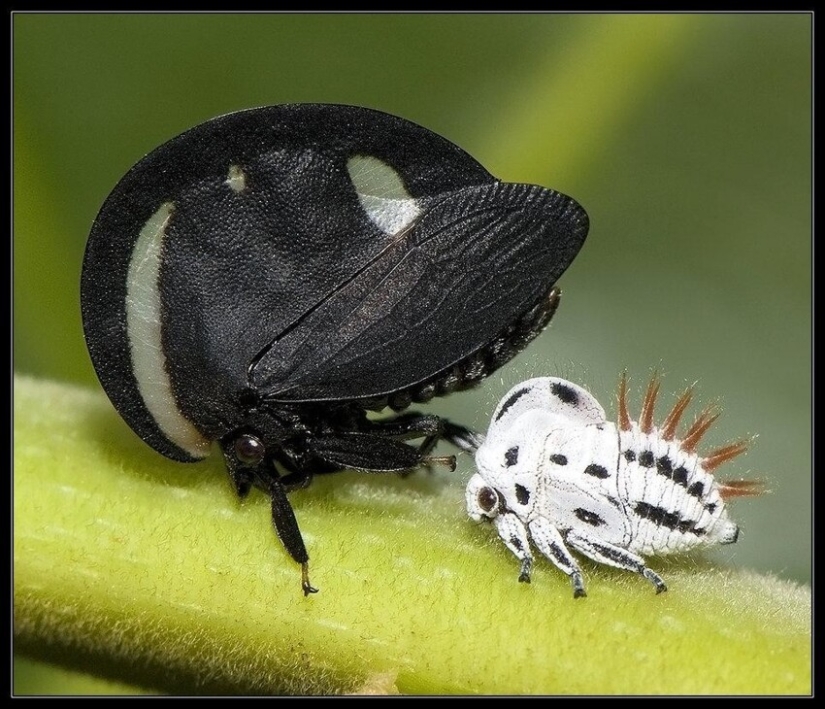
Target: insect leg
[(433, 428), (296, 481), (242, 478), (296, 476), (411, 425), (405, 426), (462, 437), (612, 555), (264, 476), (365, 451), (514, 535), (550, 543), (286, 526)]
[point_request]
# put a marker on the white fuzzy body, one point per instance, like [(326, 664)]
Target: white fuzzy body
[(555, 473)]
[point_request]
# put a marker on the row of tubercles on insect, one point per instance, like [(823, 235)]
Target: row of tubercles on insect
[(688, 443)]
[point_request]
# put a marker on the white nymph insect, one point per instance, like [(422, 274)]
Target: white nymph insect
[(553, 470)]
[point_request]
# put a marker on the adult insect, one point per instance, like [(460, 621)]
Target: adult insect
[(553, 470), (267, 277)]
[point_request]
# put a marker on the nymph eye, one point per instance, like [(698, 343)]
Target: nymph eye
[(487, 499), (249, 450)]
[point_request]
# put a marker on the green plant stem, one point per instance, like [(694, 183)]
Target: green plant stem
[(150, 572)]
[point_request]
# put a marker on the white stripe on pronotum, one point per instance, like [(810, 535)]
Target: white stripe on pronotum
[(143, 328)]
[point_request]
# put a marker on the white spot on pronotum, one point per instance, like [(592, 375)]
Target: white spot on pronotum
[(143, 328), (236, 179), (382, 194)]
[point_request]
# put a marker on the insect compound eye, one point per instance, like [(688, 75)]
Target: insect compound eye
[(249, 450), (487, 499)]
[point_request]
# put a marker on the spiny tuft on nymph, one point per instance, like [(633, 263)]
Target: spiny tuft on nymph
[(667, 432), (741, 488)]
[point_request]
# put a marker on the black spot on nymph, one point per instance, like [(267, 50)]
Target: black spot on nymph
[(618, 556), (588, 517), (680, 475), (565, 393), (558, 459), (514, 397), (646, 459), (670, 520), (697, 490), (511, 456), (629, 456), (522, 494), (664, 465), (597, 471)]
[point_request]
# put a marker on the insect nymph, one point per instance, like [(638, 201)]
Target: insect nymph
[(266, 278), (553, 470)]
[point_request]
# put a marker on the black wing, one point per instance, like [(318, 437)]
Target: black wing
[(468, 266)]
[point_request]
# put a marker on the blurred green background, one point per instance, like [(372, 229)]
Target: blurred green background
[(686, 137)]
